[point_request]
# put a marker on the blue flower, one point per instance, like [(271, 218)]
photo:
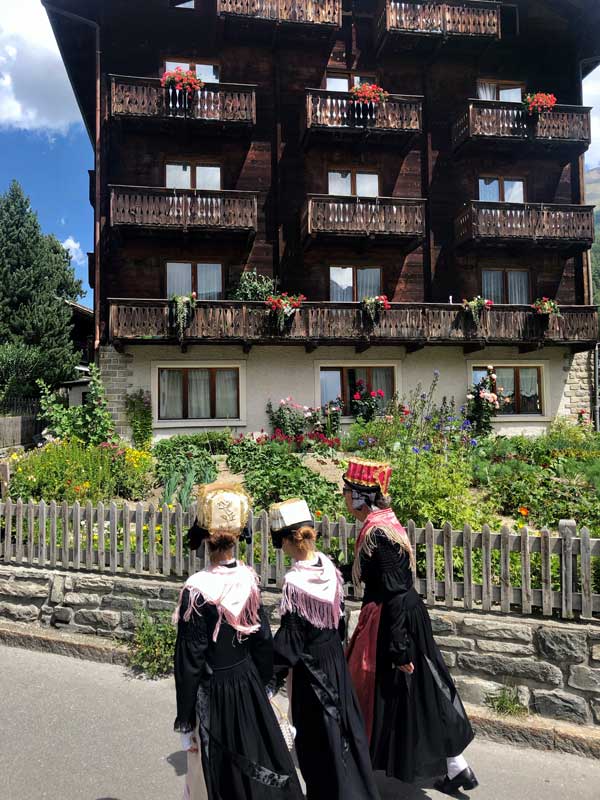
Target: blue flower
[(428, 417), (474, 442), (466, 424), (436, 373), (361, 442), (427, 447), (415, 450), (423, 396)]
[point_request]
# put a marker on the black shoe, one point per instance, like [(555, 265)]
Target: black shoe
[(464, 780)]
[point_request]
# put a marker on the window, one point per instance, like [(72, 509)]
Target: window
[(206, 280), (506, 286), (208, 73), (353, 284), (203, 393), (343, 382), (343, 82), (507, 91), (352, 183), (520, 387), (501, 190), (192, 176), (182, 3)]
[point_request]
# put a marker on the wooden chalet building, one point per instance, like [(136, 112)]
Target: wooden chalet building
[(447, 190)]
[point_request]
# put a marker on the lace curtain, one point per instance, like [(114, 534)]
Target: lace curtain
[(226, 390), (340, 284), (486, 91), (368, 283), (171, 394), (518, 287), (199, 394), (209, 281), (179, 279), (493, 285)]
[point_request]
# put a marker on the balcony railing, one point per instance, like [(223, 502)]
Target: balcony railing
[(474, 19), (490, 119), (230, 322), (311, 12), (218, 102), (338, 110), (364, 216), (526, 222), (152, 207)]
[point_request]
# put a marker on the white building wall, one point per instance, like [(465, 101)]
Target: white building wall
[(276, 372)]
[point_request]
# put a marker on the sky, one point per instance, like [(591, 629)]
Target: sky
[(43, 143)]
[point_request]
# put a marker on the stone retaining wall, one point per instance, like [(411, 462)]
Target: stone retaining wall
[(555, 666)]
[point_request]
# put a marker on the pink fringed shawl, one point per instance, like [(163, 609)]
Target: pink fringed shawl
[(232, 590), (315, 592)]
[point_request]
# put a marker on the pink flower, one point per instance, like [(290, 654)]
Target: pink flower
[(380, 393), (373, 394), (357, 396)]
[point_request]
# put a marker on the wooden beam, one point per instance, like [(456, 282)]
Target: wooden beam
[(118, 345), (310, 347), (414, 347), (530, 348), (362, 347), (474, 347), (246, 347)]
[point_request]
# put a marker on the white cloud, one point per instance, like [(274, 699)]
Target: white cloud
[(35, 93), (78, 257), (591, 97)]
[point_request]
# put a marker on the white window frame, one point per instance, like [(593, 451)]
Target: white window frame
[(198, 423), (358, 363), (544, 365)]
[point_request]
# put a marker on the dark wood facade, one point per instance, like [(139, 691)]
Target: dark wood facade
[(276, 131)]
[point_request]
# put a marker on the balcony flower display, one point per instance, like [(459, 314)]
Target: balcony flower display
[(366, 402), (544, 306), (368, 93), (182, 313), (475, 307), (539, 103), (283, 308), (373, 306), (181, 87)]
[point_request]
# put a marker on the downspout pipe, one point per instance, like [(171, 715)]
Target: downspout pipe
[(97, 161)]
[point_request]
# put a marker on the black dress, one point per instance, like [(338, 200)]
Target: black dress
[(419, 719), (331, 741), (222, 683)]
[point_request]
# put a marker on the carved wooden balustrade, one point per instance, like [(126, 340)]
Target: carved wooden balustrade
[(527, 222), (335, 110), (219, 102), (314, 12), (153, 207), (443, 19), (490, 119), (135, 320), (364, 216)]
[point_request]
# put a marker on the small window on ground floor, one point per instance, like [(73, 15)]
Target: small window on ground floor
[(520, 388), (506, 286), (199, 393), (344, 382)]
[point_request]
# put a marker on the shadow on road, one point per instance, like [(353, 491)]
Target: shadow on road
[(178, 761)]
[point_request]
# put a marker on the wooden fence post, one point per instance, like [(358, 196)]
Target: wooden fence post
[(587, 602), (4, 479), (468, 566), (568, 530), (448, 566)]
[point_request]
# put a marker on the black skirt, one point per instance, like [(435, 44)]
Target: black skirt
[(243, 752), (419, 719), (331, 740)]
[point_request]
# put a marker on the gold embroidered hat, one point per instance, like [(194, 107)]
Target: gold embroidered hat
[(223, 507), (363, 474)]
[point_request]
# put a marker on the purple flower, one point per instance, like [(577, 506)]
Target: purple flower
[(428, 417), (427, 447), (474, 442), (415, 450), (436, 373), (423, 396), (466, 424), (361, 442), (370, 440)]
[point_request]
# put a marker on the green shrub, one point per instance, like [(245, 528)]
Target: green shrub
[(90, 423), (287, 417), (179, 454), (132, 471), (152, 649), (506, 702), (139, 416), (253, 286)]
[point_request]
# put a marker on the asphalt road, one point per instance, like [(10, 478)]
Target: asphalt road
[(77, 730)]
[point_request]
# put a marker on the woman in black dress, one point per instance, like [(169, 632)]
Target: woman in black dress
[(223, 663), (416, 721), (331, 743)]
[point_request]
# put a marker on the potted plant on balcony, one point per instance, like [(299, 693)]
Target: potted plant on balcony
[(372, 308), (365, 99), (537, 103), (282, 308), (181, 87), (545, 308), (474, 308), (181, 313)]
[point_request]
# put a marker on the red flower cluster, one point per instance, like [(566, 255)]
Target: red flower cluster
[(539, 102), (300, 440), (382, 298), (368, 93), (281, 302), (182, 80)]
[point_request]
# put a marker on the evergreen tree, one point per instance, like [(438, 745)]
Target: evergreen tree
[(36, 278)]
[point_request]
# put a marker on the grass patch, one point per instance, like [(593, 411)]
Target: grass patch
[(152, 649), (506, 702)]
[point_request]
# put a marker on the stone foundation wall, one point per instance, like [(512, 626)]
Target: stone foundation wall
[(554, 665), (579, 387), (116, 370)]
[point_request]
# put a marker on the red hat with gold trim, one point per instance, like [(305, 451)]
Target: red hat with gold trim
[(363, 474)]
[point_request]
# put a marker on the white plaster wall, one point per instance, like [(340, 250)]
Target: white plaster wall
[(275, 372)]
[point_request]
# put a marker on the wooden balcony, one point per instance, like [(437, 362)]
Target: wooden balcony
[(226, 103), (229, 322), (498, 122), (416, 18), (370, 217), (567, 227), (332, 114), (182, 209), (306, 12)]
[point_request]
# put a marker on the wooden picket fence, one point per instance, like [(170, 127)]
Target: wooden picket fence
[(149, 541)]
